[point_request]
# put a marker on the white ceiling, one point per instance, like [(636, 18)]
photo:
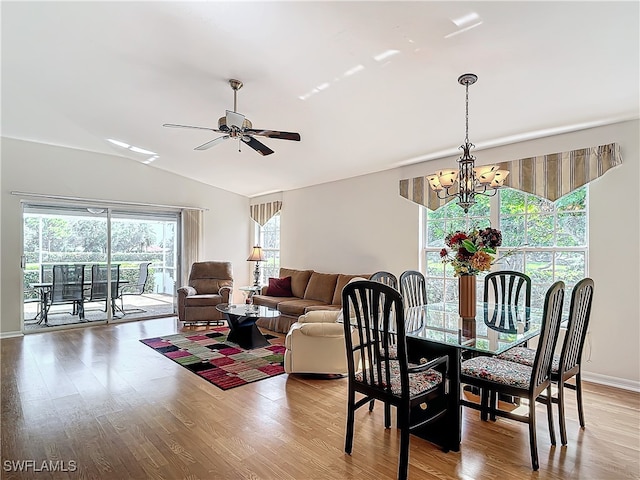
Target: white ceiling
[(77, 73)]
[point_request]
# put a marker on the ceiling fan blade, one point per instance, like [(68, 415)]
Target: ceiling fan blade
[(259, 147), (274, 134), (234, 119), (174, 125), (211, 143)]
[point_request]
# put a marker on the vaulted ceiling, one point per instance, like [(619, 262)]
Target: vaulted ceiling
[(368, 85)]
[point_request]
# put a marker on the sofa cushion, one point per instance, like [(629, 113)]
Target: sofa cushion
[(271, 302), (295, 308), (321, 287), (342, 281), (299, 280), (202, 300), (279, 287)]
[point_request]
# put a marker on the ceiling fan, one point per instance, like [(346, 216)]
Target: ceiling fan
[(235, 125)]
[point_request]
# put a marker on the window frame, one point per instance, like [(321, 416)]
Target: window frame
[(270, 267), (449, 282)]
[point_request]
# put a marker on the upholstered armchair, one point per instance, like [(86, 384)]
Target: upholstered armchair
[(210, 283), (315, 344)]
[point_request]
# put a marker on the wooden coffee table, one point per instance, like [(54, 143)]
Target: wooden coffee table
[(242, 323)]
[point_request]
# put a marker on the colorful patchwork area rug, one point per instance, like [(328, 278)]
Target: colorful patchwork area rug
[(225, 364)]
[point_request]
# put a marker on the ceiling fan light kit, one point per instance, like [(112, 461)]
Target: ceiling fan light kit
[(471, 180), (237, 126)]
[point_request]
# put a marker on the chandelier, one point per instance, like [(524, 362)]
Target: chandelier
[(471, 180)]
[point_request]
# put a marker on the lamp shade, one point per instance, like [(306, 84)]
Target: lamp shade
[(256, 255)]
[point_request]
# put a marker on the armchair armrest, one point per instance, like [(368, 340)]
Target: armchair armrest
[(321, 316), (225, 293), (187, 291)]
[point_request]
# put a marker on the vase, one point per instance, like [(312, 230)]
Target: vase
[(467, 296)]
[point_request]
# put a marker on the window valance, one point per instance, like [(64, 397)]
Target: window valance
[(263, 212), (549, 176)]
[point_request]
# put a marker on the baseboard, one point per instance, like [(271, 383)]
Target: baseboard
[(11, 334), (609, 381)]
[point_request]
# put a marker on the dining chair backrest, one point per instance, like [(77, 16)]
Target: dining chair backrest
[(387, 278), (507, 287), (551, 318), (376, 313), (67, 283), (99, 282), (579, 315), (413, 288)]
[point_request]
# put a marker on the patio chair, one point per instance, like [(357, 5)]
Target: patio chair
[(99, 289), (67, 287), (135, 289)]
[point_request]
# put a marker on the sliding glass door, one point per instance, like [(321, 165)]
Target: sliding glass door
[(133, 251)]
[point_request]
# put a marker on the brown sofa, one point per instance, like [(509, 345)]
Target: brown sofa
[(311, 291)]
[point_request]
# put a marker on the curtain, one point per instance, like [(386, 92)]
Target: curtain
[(191, 241), (549, 176), (263, 212)]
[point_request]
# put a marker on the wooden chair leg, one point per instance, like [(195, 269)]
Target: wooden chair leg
[(493, 405), (387, 415), (552, 431), (403, 458), (351, 401), (578, 378), (371, 404), (561, 414), (484, 404), (532, 434)]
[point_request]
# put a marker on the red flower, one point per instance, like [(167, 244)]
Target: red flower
[(455, 239), (443, 253)]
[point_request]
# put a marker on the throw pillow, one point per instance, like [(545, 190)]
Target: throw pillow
[(279, 287)]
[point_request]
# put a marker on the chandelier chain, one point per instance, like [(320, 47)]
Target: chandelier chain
[(466, 136)]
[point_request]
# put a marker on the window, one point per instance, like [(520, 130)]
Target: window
[(268, 237), (550, 239)]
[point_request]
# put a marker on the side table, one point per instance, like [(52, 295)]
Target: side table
[(251, 291)]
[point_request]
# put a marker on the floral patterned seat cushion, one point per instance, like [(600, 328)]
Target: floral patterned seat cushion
[(418, 382), (526, 356), (498, 371)]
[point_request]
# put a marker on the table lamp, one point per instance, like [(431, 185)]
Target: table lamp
[(256, 256)]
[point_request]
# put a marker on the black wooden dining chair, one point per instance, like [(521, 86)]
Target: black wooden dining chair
[(511, 291), (375, 310), (568, 363), (495, 375), (413, 288), (387, 278)]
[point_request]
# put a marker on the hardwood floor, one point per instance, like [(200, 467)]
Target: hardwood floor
[(100, 404)]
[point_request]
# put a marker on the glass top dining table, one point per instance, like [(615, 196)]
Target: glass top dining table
[(496, 327)]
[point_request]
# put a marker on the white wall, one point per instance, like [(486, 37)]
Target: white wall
[(38, 168), (361, 225)]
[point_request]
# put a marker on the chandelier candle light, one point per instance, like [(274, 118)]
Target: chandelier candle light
[(256, 256), (472, 180)]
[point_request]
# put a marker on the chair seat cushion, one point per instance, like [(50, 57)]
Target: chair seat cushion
[(202, 300), (418, 382), (498, 371), (526, 356)]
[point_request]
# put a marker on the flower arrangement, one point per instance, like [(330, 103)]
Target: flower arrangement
[(473, 252)]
